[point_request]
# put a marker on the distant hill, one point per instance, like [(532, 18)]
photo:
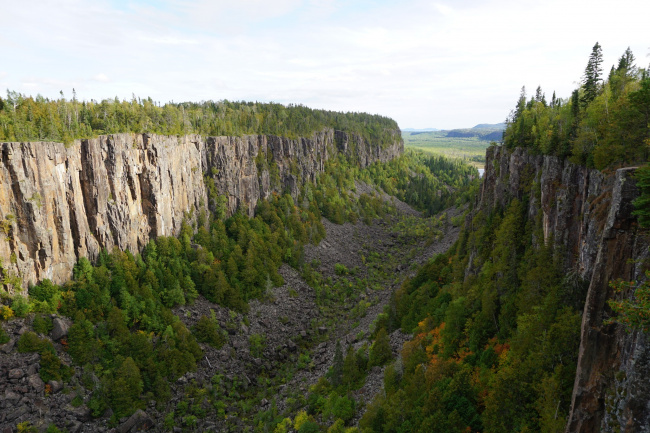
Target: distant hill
[(499, 126), (420, 129), (465, 143), (483, 131)]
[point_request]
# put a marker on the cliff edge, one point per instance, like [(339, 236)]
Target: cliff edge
[(589, 215), (60, 203)]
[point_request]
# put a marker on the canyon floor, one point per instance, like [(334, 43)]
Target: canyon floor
[(275, 352)]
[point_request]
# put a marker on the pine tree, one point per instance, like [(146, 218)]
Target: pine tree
[(593, 74)]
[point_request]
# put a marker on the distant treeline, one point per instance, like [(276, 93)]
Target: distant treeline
[(24, 118), (481, 134), (605, 122)]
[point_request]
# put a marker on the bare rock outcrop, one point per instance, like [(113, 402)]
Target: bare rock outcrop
[(588, 214), (60, 203)]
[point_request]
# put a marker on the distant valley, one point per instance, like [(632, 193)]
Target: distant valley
[(466, 143)]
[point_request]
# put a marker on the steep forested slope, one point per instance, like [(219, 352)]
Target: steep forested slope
[(517, 328)]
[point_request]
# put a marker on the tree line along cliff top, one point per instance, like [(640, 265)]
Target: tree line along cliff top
[(25, 118), (605, 122)]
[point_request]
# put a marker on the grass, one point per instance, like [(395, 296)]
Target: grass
[(470, 149)]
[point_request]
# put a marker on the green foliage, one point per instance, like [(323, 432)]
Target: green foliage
[(207, 330), (24, 118), (30, 342), (338, 406), (20, 306), (257, 344), (26, 427), (42, 324), (124, 389), (642, 203), (593, 72), (4, 338), (429, 183), (603, 124), (380, 351), (495, 341), (52, 368), (634, 311), (340, 269)]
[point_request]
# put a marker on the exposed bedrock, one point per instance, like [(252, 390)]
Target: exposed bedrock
[(588, 215), (59, 203)]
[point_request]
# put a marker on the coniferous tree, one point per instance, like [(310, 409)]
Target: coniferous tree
[(626, 63), (593, 73)]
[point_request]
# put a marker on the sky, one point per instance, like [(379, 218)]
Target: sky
[(442, 64)]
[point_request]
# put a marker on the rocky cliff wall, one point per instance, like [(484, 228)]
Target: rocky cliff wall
[(60, 203), (588, 214)]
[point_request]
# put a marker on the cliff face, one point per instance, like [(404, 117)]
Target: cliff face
[(589, 215), (58, 204)]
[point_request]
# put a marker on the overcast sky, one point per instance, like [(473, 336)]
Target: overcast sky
[(443, 64)]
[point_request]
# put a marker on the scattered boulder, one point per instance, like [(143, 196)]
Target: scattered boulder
[(7, 347), (36, 382), (60, 328), (138, 421), (11, 397), (16, 373), (55, 386), (81, 413), (74, 426)]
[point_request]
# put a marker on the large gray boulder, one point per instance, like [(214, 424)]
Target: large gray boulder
[(60, 328)]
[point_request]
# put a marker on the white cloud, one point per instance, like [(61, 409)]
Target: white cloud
[(425, 63)]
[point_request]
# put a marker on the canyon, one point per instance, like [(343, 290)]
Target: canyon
[(60, 203)]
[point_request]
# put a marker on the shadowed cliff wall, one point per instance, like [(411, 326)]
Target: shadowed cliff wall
[(588, 215)]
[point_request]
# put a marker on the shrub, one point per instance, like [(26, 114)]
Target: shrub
[(42, 324), (340, 269), (309, 427), (52, 368), (6, 312), (30, 342), (257, 343), (642, 203), (207, 330), (21, 306), (44, 291)]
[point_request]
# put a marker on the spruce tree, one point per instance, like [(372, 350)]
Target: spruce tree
[(593, 73), (626, 63)]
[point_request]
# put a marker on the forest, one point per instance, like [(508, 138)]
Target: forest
[(496, 319), (494, 322), (125, 337), (603, 124), (25, 118)]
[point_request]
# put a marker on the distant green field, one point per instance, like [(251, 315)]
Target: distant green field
[(470, 149)]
